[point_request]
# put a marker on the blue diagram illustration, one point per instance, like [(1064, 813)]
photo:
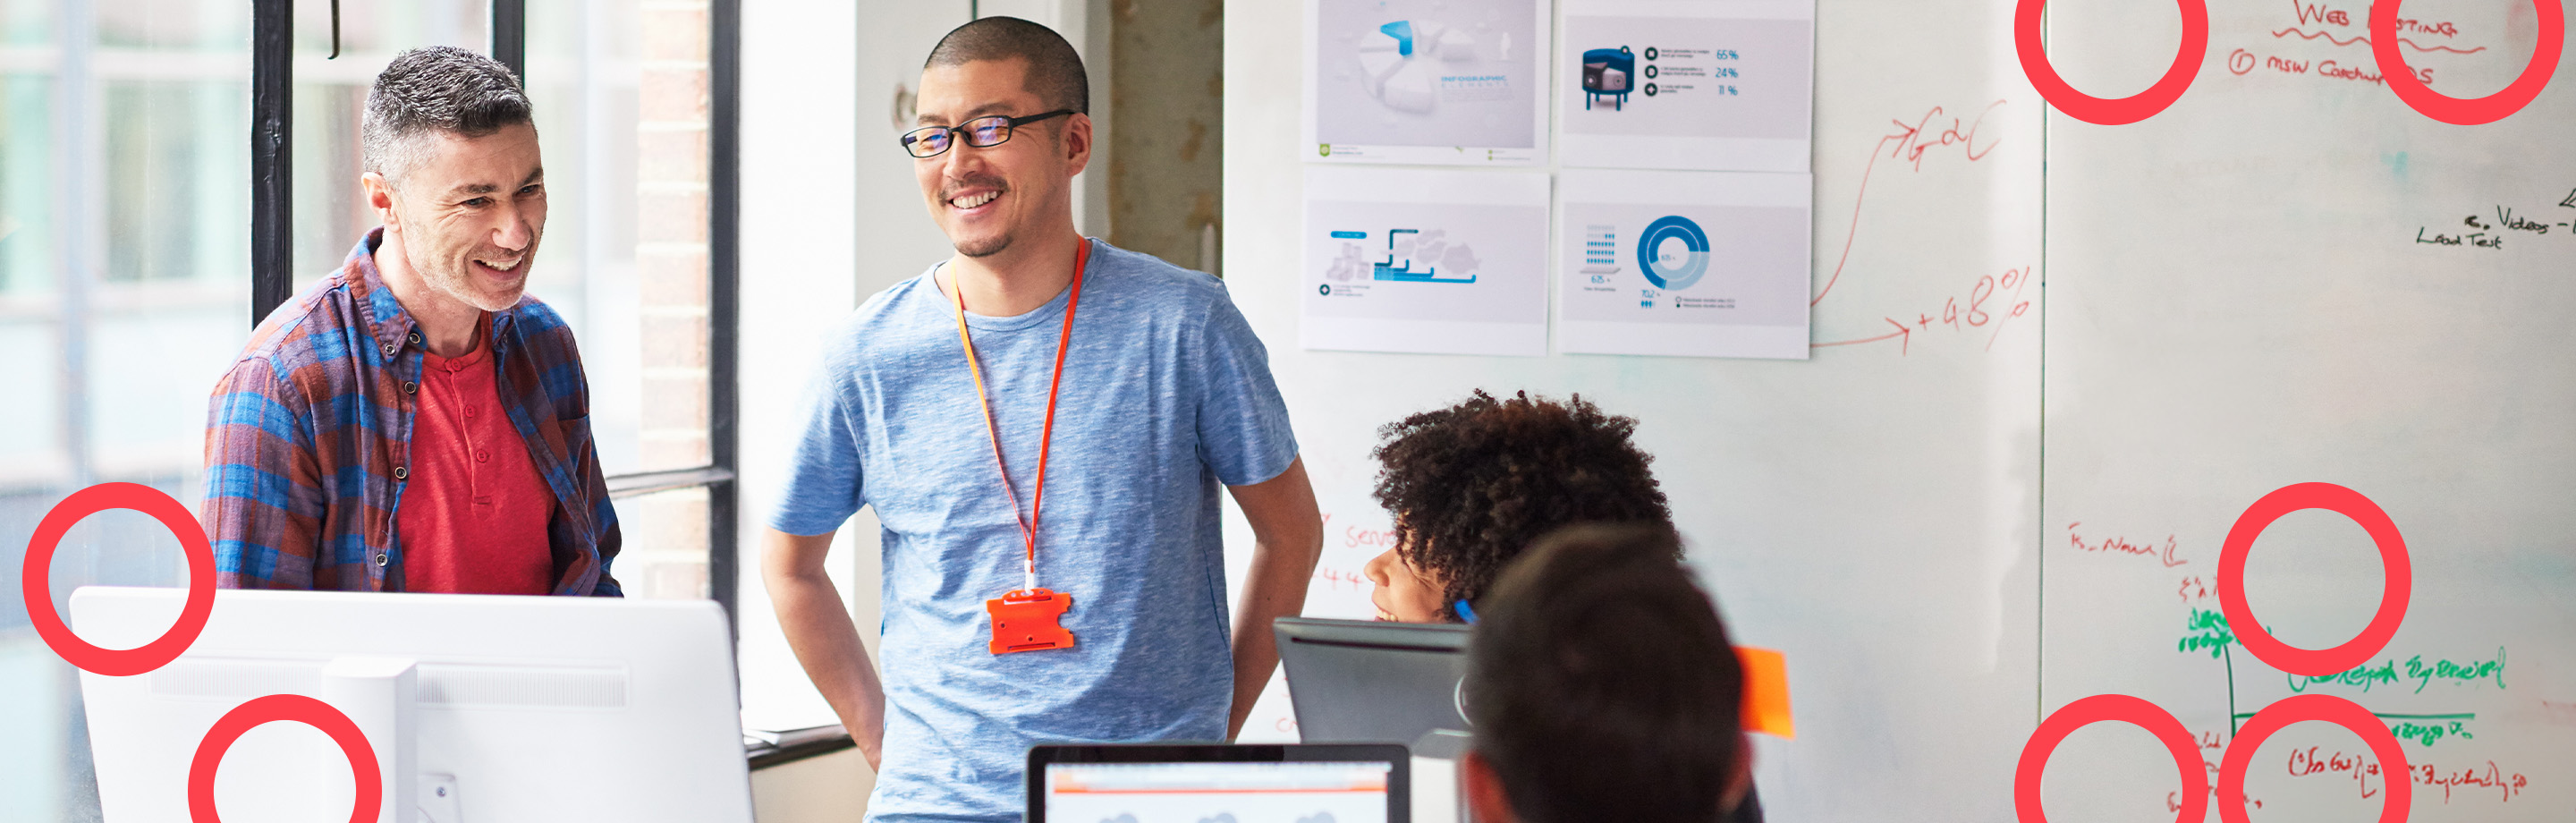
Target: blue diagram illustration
[(1673, 274), (1608, 73), (1406, 249)]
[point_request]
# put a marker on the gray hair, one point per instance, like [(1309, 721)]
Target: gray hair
[(441, 89)]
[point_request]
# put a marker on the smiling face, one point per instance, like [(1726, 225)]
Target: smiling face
[(470, 212), (984, 198), (1403, 593)]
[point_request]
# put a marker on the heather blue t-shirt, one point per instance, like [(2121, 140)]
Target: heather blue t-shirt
[(1166, 395)]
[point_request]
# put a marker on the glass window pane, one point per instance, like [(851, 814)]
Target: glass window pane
[(124, 269), (26, 186), (665, 553), (620, 88)]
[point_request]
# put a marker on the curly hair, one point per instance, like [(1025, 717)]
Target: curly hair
[(1473, 484)]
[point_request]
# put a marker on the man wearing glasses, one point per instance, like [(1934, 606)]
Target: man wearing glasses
[(1041, 422)]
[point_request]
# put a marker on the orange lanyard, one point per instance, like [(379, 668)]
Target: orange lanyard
[(975, 369)]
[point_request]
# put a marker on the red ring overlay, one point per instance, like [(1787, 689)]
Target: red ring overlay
[(2125, 110), (2111, 707), (2398, 574), (293, 708), (2453, 110), (35, 584), (2400, 785)]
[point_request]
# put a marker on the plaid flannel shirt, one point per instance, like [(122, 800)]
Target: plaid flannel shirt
[(308, 434)]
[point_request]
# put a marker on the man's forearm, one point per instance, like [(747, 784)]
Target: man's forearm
[(827, 645), (1276, 588), (1288, 538)]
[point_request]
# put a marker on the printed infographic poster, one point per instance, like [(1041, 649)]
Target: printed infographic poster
[(1720, 85), (1701, 264), (1425, 261), (1427, 81)]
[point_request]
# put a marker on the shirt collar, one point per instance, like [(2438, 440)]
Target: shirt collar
[(388, 323)]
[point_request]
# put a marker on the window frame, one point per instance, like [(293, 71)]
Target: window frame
[(272, 245)]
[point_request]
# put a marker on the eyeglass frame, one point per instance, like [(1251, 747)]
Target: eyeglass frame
[(1011, 125)]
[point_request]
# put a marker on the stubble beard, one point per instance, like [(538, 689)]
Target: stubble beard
[(453, 275), (986, 248)]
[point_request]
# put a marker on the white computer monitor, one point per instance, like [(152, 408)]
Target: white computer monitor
[(498, 709)]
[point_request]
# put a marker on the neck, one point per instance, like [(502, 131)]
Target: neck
[(1019, 279), (446, 324)]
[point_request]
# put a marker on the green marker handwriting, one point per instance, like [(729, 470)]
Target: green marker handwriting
[(2423, 673)]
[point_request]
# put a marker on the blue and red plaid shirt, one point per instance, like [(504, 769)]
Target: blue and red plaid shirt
[(308, 434)]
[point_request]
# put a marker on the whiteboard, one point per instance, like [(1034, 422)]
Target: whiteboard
[(2238, 300), (2029, 330)]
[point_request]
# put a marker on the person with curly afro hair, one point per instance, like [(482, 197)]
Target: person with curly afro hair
[(1473, 484)]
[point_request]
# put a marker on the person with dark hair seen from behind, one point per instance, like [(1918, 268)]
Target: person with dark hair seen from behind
[(1473, 484), (936, 405), (415, 421), (1602, 686)]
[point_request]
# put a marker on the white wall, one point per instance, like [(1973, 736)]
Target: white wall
[(1870, 512), (799, 202)]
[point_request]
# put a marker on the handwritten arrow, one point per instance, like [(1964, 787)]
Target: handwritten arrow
[(1901, 332)]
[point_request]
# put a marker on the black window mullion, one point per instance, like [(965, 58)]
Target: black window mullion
[(724, 190), (510, 36), (272, 203)]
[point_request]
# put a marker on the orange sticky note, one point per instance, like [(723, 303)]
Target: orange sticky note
[(1766, 692)]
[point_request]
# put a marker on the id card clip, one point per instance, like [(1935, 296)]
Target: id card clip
[(1025, 621)]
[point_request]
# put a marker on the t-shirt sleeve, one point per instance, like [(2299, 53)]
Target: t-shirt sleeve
[(1243, 425), (823, 475)]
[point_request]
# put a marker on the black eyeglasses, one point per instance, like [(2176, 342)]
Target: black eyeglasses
[(981, 132)]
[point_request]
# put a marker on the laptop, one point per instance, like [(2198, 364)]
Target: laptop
[(1216, 783), (1353, 681)]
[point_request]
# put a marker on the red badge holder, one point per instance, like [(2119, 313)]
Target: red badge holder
[(1025, 621)]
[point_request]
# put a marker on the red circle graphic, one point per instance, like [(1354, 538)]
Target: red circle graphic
[(2395, 804), (2472, 112), (2118, 708), (293, 708), (2125, 110), (2398, 574), (36, 588)]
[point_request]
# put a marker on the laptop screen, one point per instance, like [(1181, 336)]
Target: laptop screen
[(1290, 792)]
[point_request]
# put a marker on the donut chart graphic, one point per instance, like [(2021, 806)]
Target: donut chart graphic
[(1668, 277)]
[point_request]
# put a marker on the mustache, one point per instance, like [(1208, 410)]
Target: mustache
[(949, 192)]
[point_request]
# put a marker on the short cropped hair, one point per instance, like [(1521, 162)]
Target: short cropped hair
[(1055, 72), (1602, 684), (441, 89), (1473, 484)]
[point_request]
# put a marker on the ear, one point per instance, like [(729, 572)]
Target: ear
[(1741, 782), (1486, 801), (1077, 142), (380, 199)]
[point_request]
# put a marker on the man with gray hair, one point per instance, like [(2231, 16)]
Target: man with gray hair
[(414, 421)]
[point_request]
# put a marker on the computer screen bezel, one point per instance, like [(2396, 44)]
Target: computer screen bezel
[(1399, 762)]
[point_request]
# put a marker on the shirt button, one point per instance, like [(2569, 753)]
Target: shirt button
[(400, 472), (415, 337), (389, 349), (409, 387), (482, 456), (469, 411), (380, 560)]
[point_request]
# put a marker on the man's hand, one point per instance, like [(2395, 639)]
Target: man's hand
[(1288, 537), (825, 641)]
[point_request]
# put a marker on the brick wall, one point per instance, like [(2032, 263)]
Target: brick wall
[(666, 532)]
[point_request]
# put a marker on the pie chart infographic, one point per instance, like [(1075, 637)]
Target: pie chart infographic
[(1673, 252)]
